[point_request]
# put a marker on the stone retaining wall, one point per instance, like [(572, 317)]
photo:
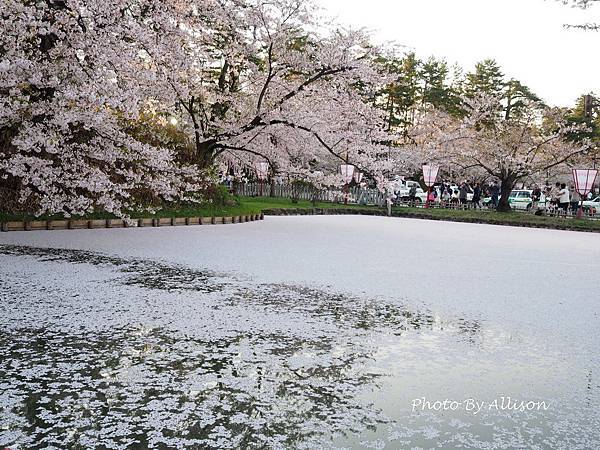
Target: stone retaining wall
[(186, 221), (121, 223)]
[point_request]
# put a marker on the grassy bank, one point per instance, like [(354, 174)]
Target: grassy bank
[(203, 210), (255, 205), (245, 205), (496, 218), (285, 203), (470, 216)]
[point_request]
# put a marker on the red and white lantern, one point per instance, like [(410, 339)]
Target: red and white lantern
[(262, 170), (358, 176), (430, 174), (347, 171), (584, 180)]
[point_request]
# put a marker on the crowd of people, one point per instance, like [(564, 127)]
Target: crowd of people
[(459, 194), (449, 194), (560, 198)]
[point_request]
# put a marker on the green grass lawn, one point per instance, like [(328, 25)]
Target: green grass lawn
[(477, 216), (254, 205), (493, 217), (201, 210), (276, 202), (246, 205)]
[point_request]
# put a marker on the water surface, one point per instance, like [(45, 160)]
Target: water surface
[(102, 351)]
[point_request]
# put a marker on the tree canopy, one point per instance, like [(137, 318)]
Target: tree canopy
[(116, 105)]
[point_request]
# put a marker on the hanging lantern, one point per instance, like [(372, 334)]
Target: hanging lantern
[(262, 169), (358, 176), (430, 174), (347, 171), (584, 180)]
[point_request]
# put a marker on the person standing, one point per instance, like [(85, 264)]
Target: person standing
[(463, 193), (229, 182), (446, 194), (477, 196), (555, 194), (431, 196), (454, 200), (546, 191), (575, 200), (412, 195), (495, 193), (536, 196), (563, 198)]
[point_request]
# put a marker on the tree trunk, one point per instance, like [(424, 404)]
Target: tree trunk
[(273, 175), (505, 189), (205, 153)]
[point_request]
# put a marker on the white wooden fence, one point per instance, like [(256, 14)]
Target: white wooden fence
[(359, 196), (355, 195)]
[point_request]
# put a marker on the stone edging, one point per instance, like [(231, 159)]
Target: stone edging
[(370, 212), (121, 223)]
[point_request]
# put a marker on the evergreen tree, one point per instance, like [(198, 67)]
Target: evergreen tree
[(486, 79), (437, 89), (513, 96), (417, 83), (401, 96), (589, 116), (517, 97)]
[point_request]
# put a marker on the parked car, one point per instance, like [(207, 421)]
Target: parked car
[(404, 189), (520, 199), (592, 206)]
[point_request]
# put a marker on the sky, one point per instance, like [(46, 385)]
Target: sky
[(526, 37)]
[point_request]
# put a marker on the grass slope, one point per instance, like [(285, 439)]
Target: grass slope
[(254, 205), (471, 216)]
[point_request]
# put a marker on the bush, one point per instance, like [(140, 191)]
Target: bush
[(218, 195), (299, 185)]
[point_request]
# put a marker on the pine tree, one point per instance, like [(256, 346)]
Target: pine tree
[(486, 79), (589, 116), (437, 89), (517, 97)]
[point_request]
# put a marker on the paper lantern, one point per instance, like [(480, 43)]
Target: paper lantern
[(262, 169), (584, 180), (347, 171), (430, 174)]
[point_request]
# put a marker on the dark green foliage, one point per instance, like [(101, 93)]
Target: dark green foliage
[(438, 90), (517, 97), (590, 118), (486, 78), (218, 195), (416, 83), (432, 83)]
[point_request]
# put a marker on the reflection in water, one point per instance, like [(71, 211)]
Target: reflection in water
[(137, 388), (103, 352)]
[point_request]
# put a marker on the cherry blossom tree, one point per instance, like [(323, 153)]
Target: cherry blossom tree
[(512, 150), (584, 4), (285, 88), (486, 144), (241, 80), (70, 96)]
